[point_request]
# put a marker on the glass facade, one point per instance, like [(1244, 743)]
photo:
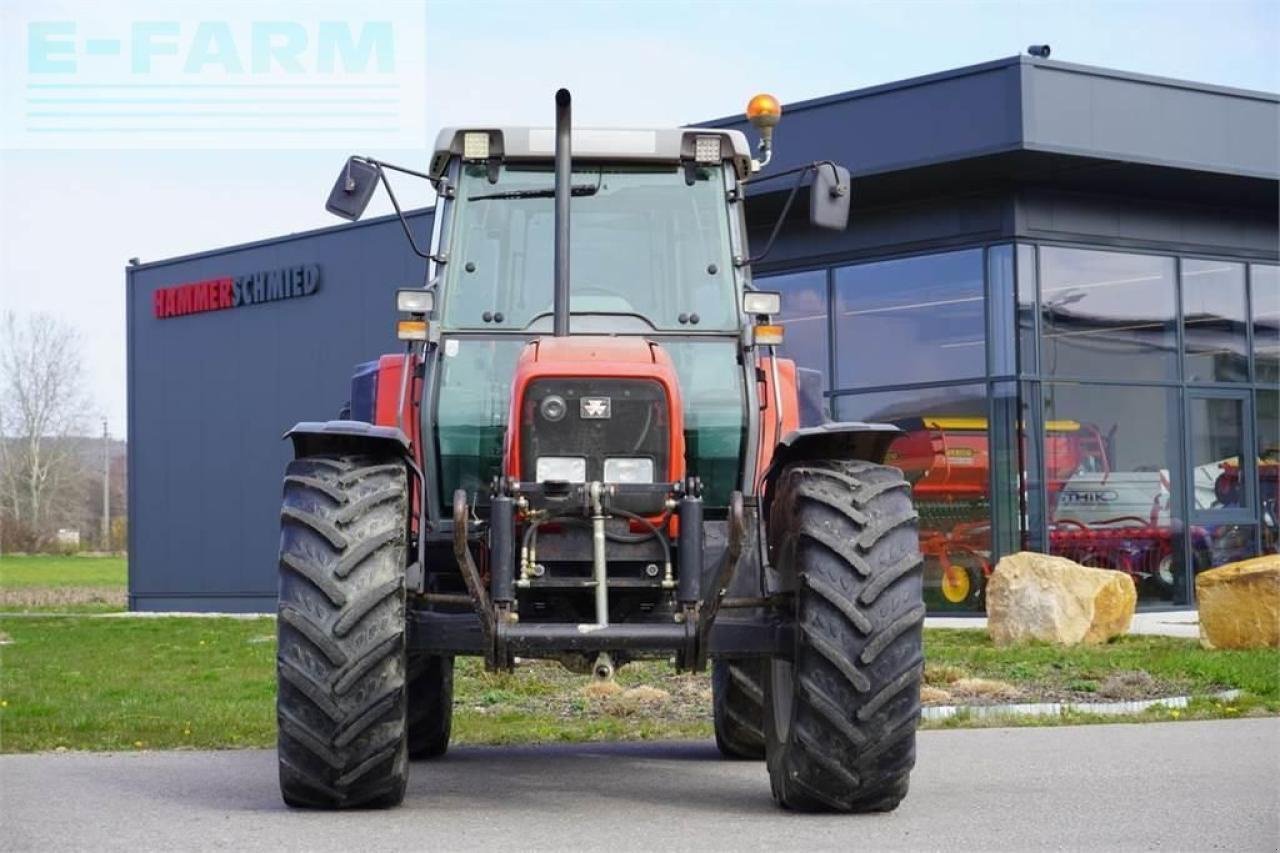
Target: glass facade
[(910, 320), (1119, 408)]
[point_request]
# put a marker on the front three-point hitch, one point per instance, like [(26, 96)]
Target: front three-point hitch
[(614, 523)]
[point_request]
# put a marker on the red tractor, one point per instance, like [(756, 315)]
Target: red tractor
[(596, 467)]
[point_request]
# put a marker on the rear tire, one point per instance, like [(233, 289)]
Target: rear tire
[(738, 707), (341, 699), (430, 705), (841, 715)]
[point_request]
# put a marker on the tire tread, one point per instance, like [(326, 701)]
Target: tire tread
[(843, 533), (341, 698)]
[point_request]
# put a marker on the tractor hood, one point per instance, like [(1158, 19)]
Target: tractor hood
[(607, 403)]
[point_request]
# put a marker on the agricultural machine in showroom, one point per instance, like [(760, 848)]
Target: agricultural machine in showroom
[(1097, 516), (590, 452)]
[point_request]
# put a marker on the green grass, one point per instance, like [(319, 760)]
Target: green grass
[(1178, 665), (163, 683), (42, 583), (158, 683), (126, 683), (51, 570)]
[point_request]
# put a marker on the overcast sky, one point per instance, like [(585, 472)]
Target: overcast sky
[(70, 218)]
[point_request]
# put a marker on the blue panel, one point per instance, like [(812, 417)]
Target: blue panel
[(211, 394), (364, 391), (961, 114), (1099, 113)]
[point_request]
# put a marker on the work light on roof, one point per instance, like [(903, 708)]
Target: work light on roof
[(706, 149), (475, 146)]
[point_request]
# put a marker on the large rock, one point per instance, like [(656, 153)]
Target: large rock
[(1055, 600), (1240, 604)]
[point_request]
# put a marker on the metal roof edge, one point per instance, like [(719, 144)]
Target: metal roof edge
[(1136, 77), (1022, 61), (880, 88), (1110, 156)]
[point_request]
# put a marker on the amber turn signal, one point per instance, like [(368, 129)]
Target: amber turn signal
[(768, 335), (411, 330)]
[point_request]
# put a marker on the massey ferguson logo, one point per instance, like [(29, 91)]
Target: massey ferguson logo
[(596, 408), (217, 294)]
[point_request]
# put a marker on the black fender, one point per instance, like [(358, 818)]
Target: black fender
[(831, 440), (312, 437)]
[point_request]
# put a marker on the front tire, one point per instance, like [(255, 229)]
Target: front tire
[(841, 714), (430, 705), (341, 698), (737, 698)]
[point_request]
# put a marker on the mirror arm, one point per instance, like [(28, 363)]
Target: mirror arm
[(815, 165), (382, 164), (782, 217), (404, 223), (801, 172)]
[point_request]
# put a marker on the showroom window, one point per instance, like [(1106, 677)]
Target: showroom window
[(1107, 315), (1265, 298), (944, 452), (1267, 407), (908, 320), (1027, 295), (1214, 320), (1097, 404), (805, 316), (1111, 457)]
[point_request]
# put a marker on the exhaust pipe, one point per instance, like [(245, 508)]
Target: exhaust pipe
[(564, 179)]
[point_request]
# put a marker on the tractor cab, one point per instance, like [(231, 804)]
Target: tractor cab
[(654, 257)]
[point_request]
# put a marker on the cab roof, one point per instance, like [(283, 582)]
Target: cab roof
[(664, 145)]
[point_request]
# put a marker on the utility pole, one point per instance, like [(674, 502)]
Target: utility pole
[(106, 488)]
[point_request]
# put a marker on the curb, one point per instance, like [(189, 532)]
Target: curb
[(1055, 709)]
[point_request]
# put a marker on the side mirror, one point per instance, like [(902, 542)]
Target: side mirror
[(829, 197), (353, 189)]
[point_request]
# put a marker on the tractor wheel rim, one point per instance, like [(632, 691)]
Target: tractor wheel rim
[(1164, 570), (955, 584)]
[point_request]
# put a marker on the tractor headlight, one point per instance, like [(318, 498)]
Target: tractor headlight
[(624, 470), (415, 301), (562, 469)]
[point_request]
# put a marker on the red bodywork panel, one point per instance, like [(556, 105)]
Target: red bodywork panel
[(597, 356), (384, 410), (769, 434), (390, 371)]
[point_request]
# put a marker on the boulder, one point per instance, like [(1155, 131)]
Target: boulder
[(1240, 604), (1055, 600)]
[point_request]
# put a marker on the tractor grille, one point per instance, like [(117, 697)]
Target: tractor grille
[(602, 418)]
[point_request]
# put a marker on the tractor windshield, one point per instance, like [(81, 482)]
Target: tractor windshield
[(645, 244)]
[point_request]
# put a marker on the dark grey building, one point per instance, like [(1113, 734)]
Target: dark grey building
[(1061, 281)]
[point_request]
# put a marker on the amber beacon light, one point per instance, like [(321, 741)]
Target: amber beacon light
[(764, 112)]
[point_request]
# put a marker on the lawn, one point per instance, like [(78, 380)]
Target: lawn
[(161, 683), (157, 683), (39, 583)]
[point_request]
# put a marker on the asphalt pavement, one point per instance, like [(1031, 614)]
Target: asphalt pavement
[(1169, 786)]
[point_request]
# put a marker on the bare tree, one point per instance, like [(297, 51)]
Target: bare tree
[(43, 405)]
